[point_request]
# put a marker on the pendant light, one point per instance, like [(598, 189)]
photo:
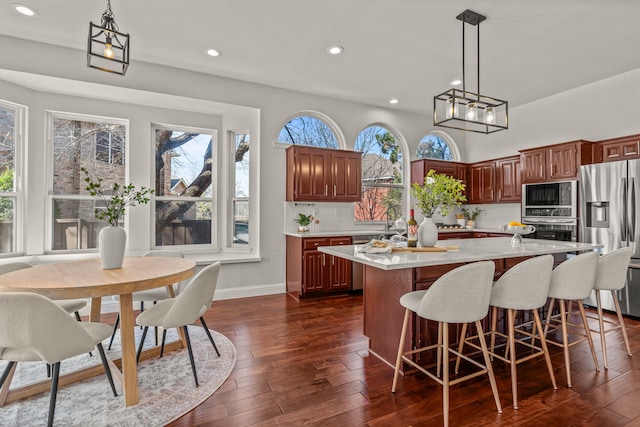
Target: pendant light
[(468, 111), (108, 49)]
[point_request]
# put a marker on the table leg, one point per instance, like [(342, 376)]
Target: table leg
[(96, 304), (129, 367)]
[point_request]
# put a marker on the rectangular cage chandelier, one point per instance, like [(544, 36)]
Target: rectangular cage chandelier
[(465, 110), (108, 49)]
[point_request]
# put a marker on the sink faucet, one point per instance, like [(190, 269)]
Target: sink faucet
[(387, 223)]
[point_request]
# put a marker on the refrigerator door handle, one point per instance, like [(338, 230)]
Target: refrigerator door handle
[(624, 225), (631, 228)]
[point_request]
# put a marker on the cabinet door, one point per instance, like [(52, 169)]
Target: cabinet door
[(420, 168), (314, 272), (346, 176), (482, 183), (341, 277), (509, 181), (310, 175), (613, 151), (533, 166), (563, 162)]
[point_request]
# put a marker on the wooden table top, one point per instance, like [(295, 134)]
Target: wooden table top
[(86, 278)]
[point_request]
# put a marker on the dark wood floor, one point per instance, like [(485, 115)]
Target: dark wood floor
[(306, 363)]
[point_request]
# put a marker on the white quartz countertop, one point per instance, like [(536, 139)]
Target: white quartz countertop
[(470, 250), (330, 233)]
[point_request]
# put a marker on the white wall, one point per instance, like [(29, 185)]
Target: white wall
[(274, 106)]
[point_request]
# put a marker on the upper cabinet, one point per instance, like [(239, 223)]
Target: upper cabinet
[(420, 168), (482, 183), (323, 175), (509, 179), (611, 150), (555, 162)]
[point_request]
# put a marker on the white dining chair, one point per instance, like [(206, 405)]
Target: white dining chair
[(189, 306), (35, 329)]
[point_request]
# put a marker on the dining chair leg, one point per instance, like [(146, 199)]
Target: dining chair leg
[(463, 335), (144, 335), (107, 370), (48, 371), (164, 336), (193, 363), (621, 322), (206, 329), (5, 373), (512, 356), (53, 394), (487, 361), (444, 344), (587, 331), (565, 343), (115, 328), (603, 340), (545, 349), (400, 348)]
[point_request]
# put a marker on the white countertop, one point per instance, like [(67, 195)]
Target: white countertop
[(330, 233), (470, 250)]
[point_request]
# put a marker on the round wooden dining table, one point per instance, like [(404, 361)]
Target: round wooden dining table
[(87, 279)]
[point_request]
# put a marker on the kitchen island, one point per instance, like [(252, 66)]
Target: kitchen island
[(389, 276)]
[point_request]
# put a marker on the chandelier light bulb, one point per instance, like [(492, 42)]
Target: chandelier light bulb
[(490, 116), (108, 49), (472, 111)]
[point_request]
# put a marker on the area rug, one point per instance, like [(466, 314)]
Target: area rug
[(166, 386)]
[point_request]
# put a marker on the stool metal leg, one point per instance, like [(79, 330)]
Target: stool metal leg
[(487, 361), (565, 343), (445, 371), (512, 356), (463, 336), (587, 331), (621, 321), (407, 313), (439, 350), (545, 349), (603, 342)]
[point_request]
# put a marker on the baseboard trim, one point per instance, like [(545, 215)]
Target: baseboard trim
[(112, 306)]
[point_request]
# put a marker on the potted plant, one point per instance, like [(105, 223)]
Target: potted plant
[(471, 216), (113, 238), (303, 222), (439, 193)]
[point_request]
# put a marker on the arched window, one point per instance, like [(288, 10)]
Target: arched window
[(308, 130), (438, 146), (382, 175)]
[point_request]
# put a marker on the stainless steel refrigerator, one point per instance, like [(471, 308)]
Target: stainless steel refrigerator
[(609, 214)]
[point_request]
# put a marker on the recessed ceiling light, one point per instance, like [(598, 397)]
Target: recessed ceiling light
[(394, 101), (456, 82), (335, 50), (213, 52), (24, 10)]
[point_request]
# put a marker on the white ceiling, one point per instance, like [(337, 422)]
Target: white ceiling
[(406, 49)]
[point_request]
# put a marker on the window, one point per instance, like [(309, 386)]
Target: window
[(184, 186), (308, 130), (240, 188), (109, 147), (75, 141), (435, 146), (11, 117), (382, 175)]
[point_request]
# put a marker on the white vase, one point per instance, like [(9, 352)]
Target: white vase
[(111, 244), (427, 233)]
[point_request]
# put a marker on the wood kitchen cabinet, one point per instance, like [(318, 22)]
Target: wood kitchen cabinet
[(482, 183), (323, 175), (420, 168), (555, 162), (509, 180), (615, 149), (310, 272)]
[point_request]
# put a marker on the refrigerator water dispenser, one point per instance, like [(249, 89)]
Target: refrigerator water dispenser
[(597, 214)]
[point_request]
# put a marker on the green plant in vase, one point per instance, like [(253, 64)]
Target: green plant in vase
[(471, 216), (303, 222)]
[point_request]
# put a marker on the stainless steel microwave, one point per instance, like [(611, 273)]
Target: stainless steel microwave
[(556, 199)]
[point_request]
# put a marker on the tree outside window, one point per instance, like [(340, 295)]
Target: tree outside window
[(382, 182), (434, 147), (240, 200), (308, 130), (7, 185)]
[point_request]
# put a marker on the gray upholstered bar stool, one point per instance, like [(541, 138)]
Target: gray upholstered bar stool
[(460, 296), (611, 276), (523, 287), (571, 281)]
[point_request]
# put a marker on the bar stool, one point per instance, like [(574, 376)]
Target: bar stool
[(523, 287), (460, 296), (571, 281), (611, 276)]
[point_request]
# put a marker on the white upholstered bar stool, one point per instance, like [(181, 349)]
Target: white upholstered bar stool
[(523, 287), (571, 281), (611, 276), (459, 296)]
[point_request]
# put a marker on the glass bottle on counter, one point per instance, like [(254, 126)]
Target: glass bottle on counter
[(412, 231)]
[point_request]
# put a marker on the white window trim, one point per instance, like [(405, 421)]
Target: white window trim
[(217, 216), (19, 171), (236, 247), (48, 217)]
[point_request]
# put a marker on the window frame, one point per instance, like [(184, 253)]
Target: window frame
[(20, 113), (328, 121), (216, 213), (242, 247)]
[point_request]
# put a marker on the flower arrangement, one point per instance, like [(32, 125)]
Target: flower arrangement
[(471, 215), (439, 193), (303, 219), (117, 201)]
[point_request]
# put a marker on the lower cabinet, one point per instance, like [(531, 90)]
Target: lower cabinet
[(313, 273)]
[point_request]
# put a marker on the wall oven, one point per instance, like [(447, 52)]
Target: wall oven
[(552, 207)]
